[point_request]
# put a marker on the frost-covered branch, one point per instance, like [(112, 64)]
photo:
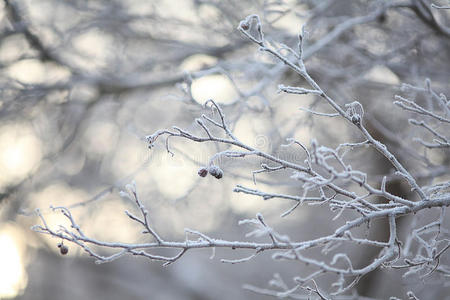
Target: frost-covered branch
[(325, 177)]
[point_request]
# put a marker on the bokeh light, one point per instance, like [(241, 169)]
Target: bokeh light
[(20, 152), (217, 87), (13, 278)]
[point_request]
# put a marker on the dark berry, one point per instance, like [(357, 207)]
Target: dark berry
[(63, 249), (356, 119), (202, 172), (216, 172)]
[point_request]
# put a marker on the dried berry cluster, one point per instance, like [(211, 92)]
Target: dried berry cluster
[(213, 171)]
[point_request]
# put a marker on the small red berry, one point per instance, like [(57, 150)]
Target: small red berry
[(202, 172), (216, 172)]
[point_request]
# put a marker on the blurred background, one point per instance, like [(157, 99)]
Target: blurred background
[(82, 82)]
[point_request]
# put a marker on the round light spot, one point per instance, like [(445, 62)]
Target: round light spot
[(20, 152), (216, 87), (13, 277)]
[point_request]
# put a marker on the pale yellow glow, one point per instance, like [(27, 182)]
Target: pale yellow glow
[(110, 222), (32, 71), (93, 44), (28, 71), (182, 10), (12, 48), (100, 137), (2, 11), (197, 62), (173, 175), (12, 271), (57, 194), (217, 87), (290, 23), (20, 151), (254, 131), (383, 75)]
